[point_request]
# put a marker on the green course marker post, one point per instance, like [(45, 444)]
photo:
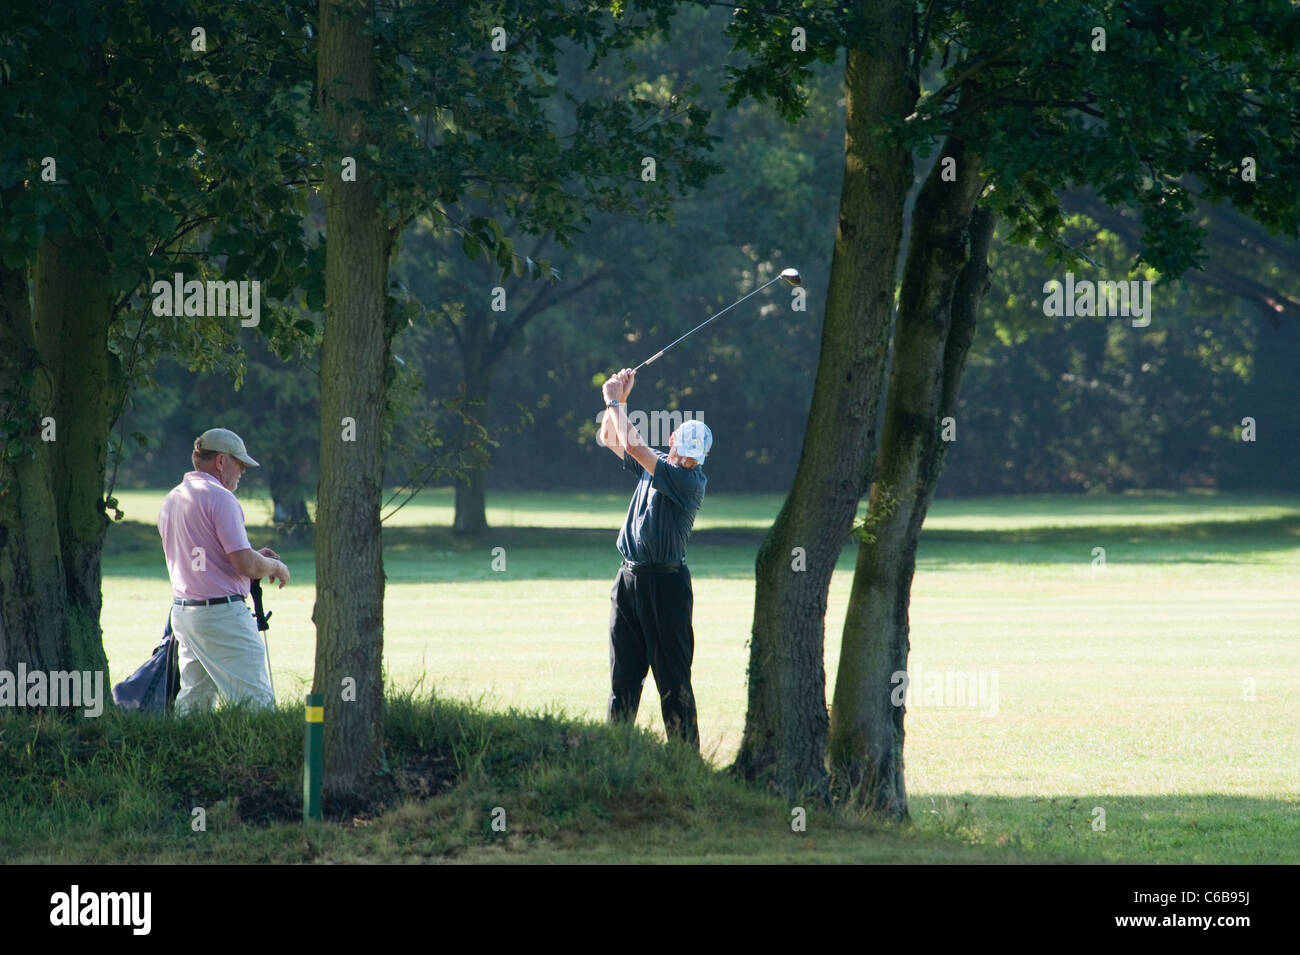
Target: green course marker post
[(313, 752)]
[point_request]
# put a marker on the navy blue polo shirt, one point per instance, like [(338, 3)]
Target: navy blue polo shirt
[(662, 511)]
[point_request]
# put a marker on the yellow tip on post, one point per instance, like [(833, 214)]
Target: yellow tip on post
[(313, 757)]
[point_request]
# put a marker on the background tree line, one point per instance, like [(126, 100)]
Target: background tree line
[(1068, 404)]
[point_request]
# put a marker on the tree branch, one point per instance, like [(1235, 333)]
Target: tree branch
[(970, 72), (1218, 274)]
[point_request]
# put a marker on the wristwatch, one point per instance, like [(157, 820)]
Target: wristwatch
[(612, 403)]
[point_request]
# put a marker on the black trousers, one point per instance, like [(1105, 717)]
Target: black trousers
[(650, 629)]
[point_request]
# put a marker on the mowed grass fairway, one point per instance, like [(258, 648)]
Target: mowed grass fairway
[(1162, 687)]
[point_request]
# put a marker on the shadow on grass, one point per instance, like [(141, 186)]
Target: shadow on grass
[(434, 554), (1208, 828), (458, 782)]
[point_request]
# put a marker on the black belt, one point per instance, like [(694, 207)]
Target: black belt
[(181, 602), (669, 568)]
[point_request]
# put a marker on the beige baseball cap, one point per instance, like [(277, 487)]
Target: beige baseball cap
[(220, 439)]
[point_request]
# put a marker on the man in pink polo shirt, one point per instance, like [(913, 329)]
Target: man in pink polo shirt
[(211, 563)]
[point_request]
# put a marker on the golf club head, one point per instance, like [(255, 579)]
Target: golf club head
[(792, 277)]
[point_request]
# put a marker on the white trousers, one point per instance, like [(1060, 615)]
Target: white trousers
[(220, 653)]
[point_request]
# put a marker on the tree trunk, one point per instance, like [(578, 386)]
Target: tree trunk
[(73, 309), (471, 504), (482, 345), (944, 279), (471, 490), (349, 612), (289, 503), (784, 742), (33, 628)]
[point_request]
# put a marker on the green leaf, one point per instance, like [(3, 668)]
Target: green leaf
[(505, 254), (470, 246)]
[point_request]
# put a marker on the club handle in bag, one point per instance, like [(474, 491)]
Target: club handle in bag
[(263, 619)]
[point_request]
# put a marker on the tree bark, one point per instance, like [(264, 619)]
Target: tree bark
[(478, 363), (784, 741), (945, 277), (72, 311), (471, 504), (349, 611), (33, 627)]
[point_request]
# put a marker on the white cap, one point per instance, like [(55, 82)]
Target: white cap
[(220, 439), (693, 440)]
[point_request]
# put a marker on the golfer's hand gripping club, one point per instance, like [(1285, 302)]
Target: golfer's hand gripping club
[(617, 388)]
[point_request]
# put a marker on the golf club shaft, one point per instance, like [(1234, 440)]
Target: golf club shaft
[(660, 353), (266, 642)]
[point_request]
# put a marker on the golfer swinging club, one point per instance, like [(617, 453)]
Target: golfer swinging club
[(650, 605)]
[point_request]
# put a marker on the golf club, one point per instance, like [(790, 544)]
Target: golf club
[(790, 276), (263, 625)]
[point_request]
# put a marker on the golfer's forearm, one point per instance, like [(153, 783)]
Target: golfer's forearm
[(254, 565), (609, 433), (626, 436), (634, 444), (623, 430)]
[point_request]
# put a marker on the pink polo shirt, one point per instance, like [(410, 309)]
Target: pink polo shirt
[(201, 512)]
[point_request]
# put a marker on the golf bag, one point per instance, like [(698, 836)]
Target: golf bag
[(153, 687)]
